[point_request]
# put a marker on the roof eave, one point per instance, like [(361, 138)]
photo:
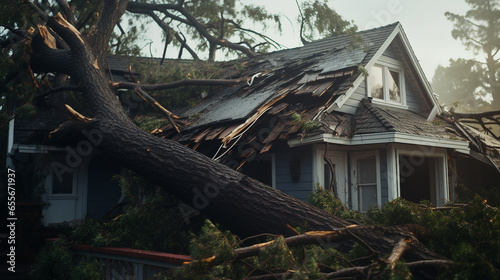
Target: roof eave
[(384, 138)]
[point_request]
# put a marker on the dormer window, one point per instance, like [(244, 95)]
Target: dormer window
[(386, 84)]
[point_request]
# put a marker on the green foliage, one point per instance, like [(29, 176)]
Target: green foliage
[(149, 123), (468, 235), (305, 125), (325, 200), (137, 227), (320, 21), (88, 269), (55, 262)]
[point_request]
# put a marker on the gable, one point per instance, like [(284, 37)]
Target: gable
[(394, 53)]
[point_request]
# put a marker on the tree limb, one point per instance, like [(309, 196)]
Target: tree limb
[(167, 30), (158, 107), (398, 252), (181, 83), (192, 22), (54, 90), (63, 4)]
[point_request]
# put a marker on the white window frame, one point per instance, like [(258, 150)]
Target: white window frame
[(354, 176), (388, 64)]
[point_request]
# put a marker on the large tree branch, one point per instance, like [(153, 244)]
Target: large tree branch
[(63, 4), (167, 29), (157, 106), (98, 37), (192, 22), (263, 36), (189, 82)]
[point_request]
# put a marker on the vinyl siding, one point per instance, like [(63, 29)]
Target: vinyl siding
[(303, 187), (411, 98)]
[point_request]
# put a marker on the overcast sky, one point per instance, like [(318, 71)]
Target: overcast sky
[(424, 23)]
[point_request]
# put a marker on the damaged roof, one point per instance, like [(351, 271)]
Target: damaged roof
[(309, 70), (287, 95)]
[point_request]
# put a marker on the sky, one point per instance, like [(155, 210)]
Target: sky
[(423, 21)]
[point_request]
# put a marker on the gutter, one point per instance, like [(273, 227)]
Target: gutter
[(384, 138)]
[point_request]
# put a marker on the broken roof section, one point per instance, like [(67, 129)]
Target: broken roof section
[(312, 69), (287, 96)]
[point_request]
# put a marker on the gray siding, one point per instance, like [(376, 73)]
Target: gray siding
[(384, 183), (103, 192), (303, 187), (411, 99), (390, 53)]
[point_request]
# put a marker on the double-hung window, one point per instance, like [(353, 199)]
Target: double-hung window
[(386, 84)]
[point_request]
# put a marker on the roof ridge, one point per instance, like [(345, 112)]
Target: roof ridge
[(374, 110)]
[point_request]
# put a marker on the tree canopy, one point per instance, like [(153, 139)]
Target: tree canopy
[(479, 31)]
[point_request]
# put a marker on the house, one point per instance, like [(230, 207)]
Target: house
[(72, 180), (360, 118), (357, 116)]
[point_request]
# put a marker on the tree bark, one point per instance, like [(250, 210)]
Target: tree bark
[(242, 204)]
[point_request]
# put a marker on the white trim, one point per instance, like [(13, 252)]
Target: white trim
[(341, 100), (339, 159), (10, 144), (392, 173), (36, 149), (384, 138), (433, 113), (317, 171), (398, 30)]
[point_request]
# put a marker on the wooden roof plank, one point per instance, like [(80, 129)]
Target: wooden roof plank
[(214, 133), (274, 133)]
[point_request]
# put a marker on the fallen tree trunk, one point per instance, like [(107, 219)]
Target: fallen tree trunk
[(241, 204)]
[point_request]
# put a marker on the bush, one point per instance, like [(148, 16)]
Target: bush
[(325, 199), (469, 235), (55, 262)]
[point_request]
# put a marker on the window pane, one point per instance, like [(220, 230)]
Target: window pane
[(367, 197), (62, 180), (367, 171), (394, 92), (62, 184), (376, 82)]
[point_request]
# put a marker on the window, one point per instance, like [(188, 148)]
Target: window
[(62, 185), (386, 84), (367, 183), (63, 179), (365, 180)]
